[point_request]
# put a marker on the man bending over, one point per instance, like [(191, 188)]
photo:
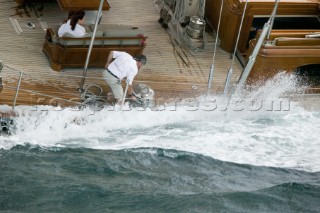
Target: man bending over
[(121, 65)]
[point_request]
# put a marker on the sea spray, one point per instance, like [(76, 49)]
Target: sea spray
[(283, 138)]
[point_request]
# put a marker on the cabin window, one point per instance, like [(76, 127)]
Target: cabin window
[(310, 74)]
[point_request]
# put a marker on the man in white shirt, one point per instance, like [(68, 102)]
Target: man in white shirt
[(121, 65)]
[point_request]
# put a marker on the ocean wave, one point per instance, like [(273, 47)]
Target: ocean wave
[(145, 179), (280, 134)]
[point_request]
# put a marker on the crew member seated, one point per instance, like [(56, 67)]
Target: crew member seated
[(73, 25)]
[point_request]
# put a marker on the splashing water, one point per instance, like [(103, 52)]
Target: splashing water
[(277, 132)]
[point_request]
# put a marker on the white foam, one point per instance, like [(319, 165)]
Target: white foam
[(281, 137)]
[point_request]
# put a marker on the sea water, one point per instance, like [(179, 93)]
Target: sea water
[(256, 152)]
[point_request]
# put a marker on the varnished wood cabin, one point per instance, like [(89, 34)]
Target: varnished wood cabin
[(288, 49)]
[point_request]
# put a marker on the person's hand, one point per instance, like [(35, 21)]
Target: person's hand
[(107, 64), (132, 97)]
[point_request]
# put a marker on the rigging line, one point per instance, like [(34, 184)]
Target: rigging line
[(197, 63), (13, 69), (76, 76), (215, 50), (38, 93), (184, 49), (181, 11), (182, 8), (174, 49), (182, 36), (204, 41), (240, 27), (184, 40), (178, 52), (245, 73), (175, 43), (229, 74), (272, 17), (50, 84), (88, 92), (82, 97), (57, 75), (35, 10), (81, 76), (217, 34), (84, 73), (203, 8)]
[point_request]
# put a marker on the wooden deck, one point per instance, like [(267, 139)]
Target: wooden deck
[(172, 71)]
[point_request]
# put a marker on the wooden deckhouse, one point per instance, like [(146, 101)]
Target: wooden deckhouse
[(293, 45)]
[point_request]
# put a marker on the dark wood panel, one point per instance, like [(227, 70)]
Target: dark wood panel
[(232, 12), (82, 5)]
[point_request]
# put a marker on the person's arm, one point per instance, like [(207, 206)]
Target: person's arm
[(130, 90), (109, 59), (130, 93), (61, 30)]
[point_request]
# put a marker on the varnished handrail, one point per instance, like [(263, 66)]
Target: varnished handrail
[(283, 41), (289, 33)]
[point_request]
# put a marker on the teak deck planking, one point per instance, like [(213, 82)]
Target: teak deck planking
[(165, 71)]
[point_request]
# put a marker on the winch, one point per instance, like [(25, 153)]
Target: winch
[(144, 96), (196, 27)]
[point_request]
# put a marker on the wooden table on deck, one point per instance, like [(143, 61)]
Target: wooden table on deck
[(82, 5)]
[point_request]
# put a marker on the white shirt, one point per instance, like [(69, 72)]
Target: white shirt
[(124, 66), (78, 31)]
